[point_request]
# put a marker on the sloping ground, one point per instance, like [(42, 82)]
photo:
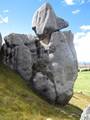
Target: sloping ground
[(18, 102), (82, 84)]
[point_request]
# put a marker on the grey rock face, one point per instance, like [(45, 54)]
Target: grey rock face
[(17, 54), (23, 62), (44, 86), (69, 38), (49, 62), (0, 40), (86, 114), (45, 21), (61, 67), (64, 65), (17, 39)]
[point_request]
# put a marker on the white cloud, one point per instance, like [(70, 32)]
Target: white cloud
[(69, 2), (85, 27), (3, 19), (75, 12), (82, 45), (5, 11), (72, 2)]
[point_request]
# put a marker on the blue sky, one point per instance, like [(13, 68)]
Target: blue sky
[(16, 16)]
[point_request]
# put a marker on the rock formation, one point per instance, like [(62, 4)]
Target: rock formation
[(47, 61), (17, 54), (45, 21), (55, 81), (85, 114)]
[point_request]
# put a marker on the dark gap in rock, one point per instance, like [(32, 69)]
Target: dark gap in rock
[(44, 90), (37, 43)]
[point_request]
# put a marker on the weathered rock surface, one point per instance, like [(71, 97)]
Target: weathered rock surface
[(61, 67), (45, 86), (58, 71), (45, 21), (49, 62), (64, 65), (86, 114), (15, 39), (24, 62), (17, 54)]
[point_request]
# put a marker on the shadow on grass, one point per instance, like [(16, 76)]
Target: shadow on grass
[(19, 98), (72, 111), (56, 112), (69, 111), (45, 108)]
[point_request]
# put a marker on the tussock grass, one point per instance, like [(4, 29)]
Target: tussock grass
[(19, 102)]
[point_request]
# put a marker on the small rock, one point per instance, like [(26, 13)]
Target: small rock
[(85, 114)]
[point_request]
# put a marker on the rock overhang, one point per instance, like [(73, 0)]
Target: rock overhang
[(45, 20)]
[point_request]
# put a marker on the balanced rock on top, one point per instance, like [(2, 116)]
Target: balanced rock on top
[(45, 21), (48, 61), (56, 78)]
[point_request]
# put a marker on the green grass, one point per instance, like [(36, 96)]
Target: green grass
[(19, 102), (82, 83)]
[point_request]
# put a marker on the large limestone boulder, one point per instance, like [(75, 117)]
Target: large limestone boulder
[(49, 60), (45, 21), (55, 76), (57, 55), (17, 54), (64, 64)]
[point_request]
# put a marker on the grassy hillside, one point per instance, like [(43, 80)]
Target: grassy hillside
[(82, 84), (18, 102)]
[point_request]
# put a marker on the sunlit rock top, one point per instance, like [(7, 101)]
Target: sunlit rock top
[(45, 20)]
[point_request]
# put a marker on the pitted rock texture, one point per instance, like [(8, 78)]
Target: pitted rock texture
[(61, 67), (45, 21), (17, 53), (48, 61), (64, 65), (45, 86)]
